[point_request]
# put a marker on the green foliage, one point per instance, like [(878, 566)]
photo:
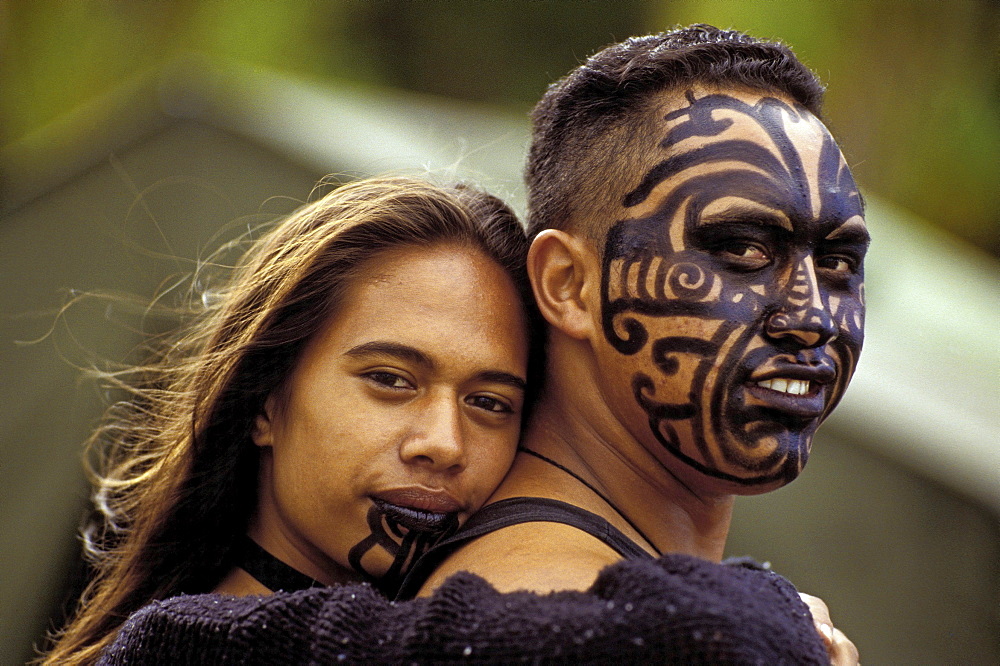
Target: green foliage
[(913, 84)]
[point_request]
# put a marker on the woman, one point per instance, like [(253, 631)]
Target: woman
[(357, 395), (352, 396)]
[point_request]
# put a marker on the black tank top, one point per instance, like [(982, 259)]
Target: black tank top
[(515, 511)]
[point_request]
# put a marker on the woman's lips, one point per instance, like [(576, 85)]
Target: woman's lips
[(419, 509)]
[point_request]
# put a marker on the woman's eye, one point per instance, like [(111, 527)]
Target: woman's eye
[(388, 379), (489, 404)]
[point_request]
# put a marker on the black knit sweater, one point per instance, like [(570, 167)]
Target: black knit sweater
[(676, 609)]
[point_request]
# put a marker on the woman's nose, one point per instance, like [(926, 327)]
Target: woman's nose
[(436, 439), (802, 318)]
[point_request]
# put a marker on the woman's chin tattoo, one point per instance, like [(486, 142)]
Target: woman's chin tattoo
[(406, 534)]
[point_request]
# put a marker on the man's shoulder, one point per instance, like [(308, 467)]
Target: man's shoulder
[(536, 556)]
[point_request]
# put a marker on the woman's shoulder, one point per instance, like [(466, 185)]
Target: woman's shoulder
[(213, 628)]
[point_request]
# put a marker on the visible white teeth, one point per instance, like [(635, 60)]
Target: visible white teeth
[(791, 386)]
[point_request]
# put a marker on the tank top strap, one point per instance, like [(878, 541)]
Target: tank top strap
[(515, 511)]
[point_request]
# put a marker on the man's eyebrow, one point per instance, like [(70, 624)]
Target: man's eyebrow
[(385, 348), (853, 231), (500, 377), (744, 213)]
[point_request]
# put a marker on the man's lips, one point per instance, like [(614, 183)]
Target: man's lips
[(823, 372), (797, 390), (419, 509), (789, 385)]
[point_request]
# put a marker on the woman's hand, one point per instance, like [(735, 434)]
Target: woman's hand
[(840, 648)]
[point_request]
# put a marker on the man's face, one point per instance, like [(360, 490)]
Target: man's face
[(732, 288)]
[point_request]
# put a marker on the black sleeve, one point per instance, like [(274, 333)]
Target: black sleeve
[(673, 610)]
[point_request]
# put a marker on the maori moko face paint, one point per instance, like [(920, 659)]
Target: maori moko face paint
[(733, 286)]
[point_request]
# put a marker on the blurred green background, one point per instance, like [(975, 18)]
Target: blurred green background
[(134, 134), (913, 84)]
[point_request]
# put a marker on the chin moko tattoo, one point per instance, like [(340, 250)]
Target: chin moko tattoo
[(405, 535)]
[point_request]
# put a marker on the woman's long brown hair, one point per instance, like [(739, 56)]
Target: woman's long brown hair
[(177, 474)]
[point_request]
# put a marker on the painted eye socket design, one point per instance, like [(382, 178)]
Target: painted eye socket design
[(388, 379), (489, 404)]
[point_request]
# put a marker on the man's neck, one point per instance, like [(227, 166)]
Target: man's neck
[(622, 481)]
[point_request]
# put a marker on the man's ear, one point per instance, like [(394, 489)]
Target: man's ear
[(565, 277), (263, 430)]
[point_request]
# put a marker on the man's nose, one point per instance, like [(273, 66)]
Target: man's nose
[(802, 317), (436, 440)]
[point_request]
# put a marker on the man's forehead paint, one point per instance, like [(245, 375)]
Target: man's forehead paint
[(837, 192)]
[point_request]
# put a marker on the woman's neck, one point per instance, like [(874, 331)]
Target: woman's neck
[(240, 584)]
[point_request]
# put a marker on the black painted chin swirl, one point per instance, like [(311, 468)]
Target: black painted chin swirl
[(405, 545)]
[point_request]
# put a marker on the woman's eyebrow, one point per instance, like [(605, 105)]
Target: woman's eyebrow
[(414, 355), (500, 377), (386, 348)]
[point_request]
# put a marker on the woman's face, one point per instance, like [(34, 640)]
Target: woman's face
[(400, 418)]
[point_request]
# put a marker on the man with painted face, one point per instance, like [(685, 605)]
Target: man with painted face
[(698, 254), (698, 249)]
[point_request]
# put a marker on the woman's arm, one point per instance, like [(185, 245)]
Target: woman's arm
[(680, 608)]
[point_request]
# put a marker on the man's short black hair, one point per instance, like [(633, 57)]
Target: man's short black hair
[(588, 126)]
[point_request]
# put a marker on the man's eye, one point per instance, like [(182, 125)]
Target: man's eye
[(489, 404), (388, 379), (744, 251), (837, 263)]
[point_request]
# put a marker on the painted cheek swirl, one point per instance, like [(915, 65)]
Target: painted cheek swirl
[(404, 544), (653, 281)]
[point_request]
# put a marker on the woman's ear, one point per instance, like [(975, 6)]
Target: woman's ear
[(565, 278), (263, 430)]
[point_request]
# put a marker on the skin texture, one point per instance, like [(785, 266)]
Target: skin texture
[(411, 395), (736, 258)]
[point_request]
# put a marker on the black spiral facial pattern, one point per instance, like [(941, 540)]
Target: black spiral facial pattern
[(650, 282), (406, 546)]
